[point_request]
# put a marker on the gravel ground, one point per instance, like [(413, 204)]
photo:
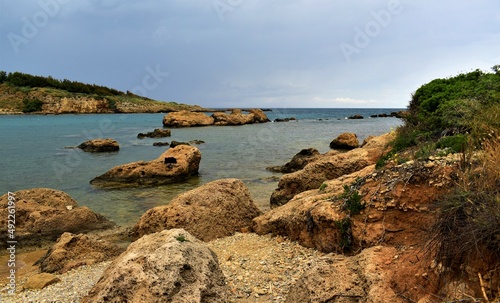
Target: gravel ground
[(73, 286), (261, 268), (257, 269)]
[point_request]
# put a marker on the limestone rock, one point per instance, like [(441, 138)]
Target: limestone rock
[(169, 266), (186, 119), (100, 145), (43, 214), (71, 251), (327, 167), (40, 281), (258, 115), (157, 133), (356, 279), (183, 162), (346, 141), (236, 117), (298, 162), (214, 210)]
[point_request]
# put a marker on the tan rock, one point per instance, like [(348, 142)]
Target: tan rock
[(40, 281), (214, 210), (175, 165), (345, 141), (43, 214), (298, 162), (356, 279), (259, 115), (186, 119), (169, 266), (100, 145), (71, 251), (236, 117)]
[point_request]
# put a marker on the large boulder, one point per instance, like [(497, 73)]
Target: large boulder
[(345, 141), (361, 278), (236, 117), (175, 165), (71, 251), (298, 162), (186, 118), (43, 214), (327, 167), (258, 115), (214, 210), (169, 266), (100, 145)]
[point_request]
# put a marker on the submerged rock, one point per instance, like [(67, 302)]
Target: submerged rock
[(157, 133), (100, 145), (169, 266), (43, 214), (154, 172), (214, 210)]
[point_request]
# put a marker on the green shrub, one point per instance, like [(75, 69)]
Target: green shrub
[(344, 227), (322, 187), (31, 105), (455, 143), (352, 201)]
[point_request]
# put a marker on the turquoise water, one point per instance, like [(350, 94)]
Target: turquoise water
[(33, 153)]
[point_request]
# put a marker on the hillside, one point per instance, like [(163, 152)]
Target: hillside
[(24, 93)]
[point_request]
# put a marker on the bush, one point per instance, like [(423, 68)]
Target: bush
[(455, 143), (31, 105), (352, 201)]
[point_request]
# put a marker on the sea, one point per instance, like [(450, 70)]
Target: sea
[(39, 151)]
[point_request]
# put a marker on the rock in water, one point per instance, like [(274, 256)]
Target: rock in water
[(346, 141), (298, 162), (186, 118), (214, 210), (169, 266), (155, 172), (43, 214), (100, 145), (157, 133)]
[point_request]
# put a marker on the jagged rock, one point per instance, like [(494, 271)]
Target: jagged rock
[(187, 119), (340, 279), (258, 115), (214, 210), (345, 141), (100, 145), (154, 172), (169, 266), (298, 162), (328, 167), (71, 251), (40, 281), (43, 214), (236, 117), (157, 133)]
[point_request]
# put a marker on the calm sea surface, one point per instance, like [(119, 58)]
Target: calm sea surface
[(33, 153)]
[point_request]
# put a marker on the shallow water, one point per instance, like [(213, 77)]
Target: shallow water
[(33, 153)]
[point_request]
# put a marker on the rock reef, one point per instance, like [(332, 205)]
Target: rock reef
[(235, 117)]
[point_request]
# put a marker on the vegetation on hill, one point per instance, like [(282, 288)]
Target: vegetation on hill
[(20, 92), (460, 114)]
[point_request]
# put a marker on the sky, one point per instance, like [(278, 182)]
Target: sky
[(253, 53)]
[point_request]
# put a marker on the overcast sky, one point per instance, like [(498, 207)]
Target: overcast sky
[(253, 53)]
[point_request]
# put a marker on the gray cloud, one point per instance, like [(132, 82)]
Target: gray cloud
[(254, 53)]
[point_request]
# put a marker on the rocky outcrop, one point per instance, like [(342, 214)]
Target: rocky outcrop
[(321, 218), (214, 210), (169, 266), (100, 145), (43, 214), (345, 141), (298, 162), (187, 119), (157, 133), (341, 279), (235, 117), (177, 143), (175, 165), (329, 166), (71, 251)]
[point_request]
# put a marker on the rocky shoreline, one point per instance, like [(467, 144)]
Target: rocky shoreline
[(340, 230)]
